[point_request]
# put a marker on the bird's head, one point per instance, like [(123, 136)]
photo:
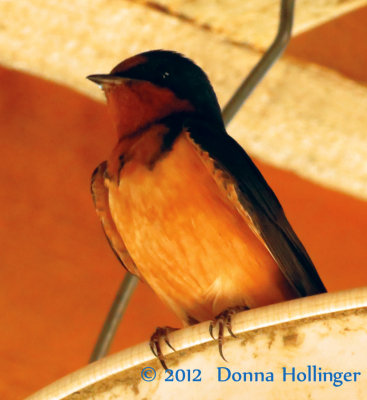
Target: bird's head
[(155, 84)]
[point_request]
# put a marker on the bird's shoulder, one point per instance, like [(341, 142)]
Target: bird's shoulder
[(99, 189)]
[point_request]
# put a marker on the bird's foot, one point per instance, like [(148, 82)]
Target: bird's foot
[(224, 319), (154, 343)]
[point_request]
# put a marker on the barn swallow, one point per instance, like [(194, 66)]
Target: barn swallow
[(182, 204)]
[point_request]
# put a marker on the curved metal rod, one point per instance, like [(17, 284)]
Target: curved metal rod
[(267, 60), (114, 316), (248, 85)]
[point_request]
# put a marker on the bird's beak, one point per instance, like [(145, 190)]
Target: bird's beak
[(102, 79)]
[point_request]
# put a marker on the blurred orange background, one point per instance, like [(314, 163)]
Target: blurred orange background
[(58, 275)]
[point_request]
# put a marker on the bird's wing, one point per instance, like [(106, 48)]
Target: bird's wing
[(100, 198), (244, 185)]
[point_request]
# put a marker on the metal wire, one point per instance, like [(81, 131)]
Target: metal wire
[(130, 281), (267, 60), (114, 316)]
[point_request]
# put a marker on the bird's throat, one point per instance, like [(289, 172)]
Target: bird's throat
[(135, 104)]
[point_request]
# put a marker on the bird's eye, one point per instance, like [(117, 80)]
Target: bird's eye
[(165, 75)]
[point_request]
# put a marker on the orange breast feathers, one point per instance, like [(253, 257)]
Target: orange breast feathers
[(183, 231)]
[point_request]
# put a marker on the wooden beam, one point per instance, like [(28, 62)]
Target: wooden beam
[(251, 22)]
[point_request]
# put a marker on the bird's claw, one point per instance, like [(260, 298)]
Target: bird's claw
[(154, 343), (224, 319)]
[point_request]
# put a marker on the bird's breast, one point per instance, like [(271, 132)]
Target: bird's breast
[(186, 237)]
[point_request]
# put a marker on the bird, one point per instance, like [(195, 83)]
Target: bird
[(184, 207)]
